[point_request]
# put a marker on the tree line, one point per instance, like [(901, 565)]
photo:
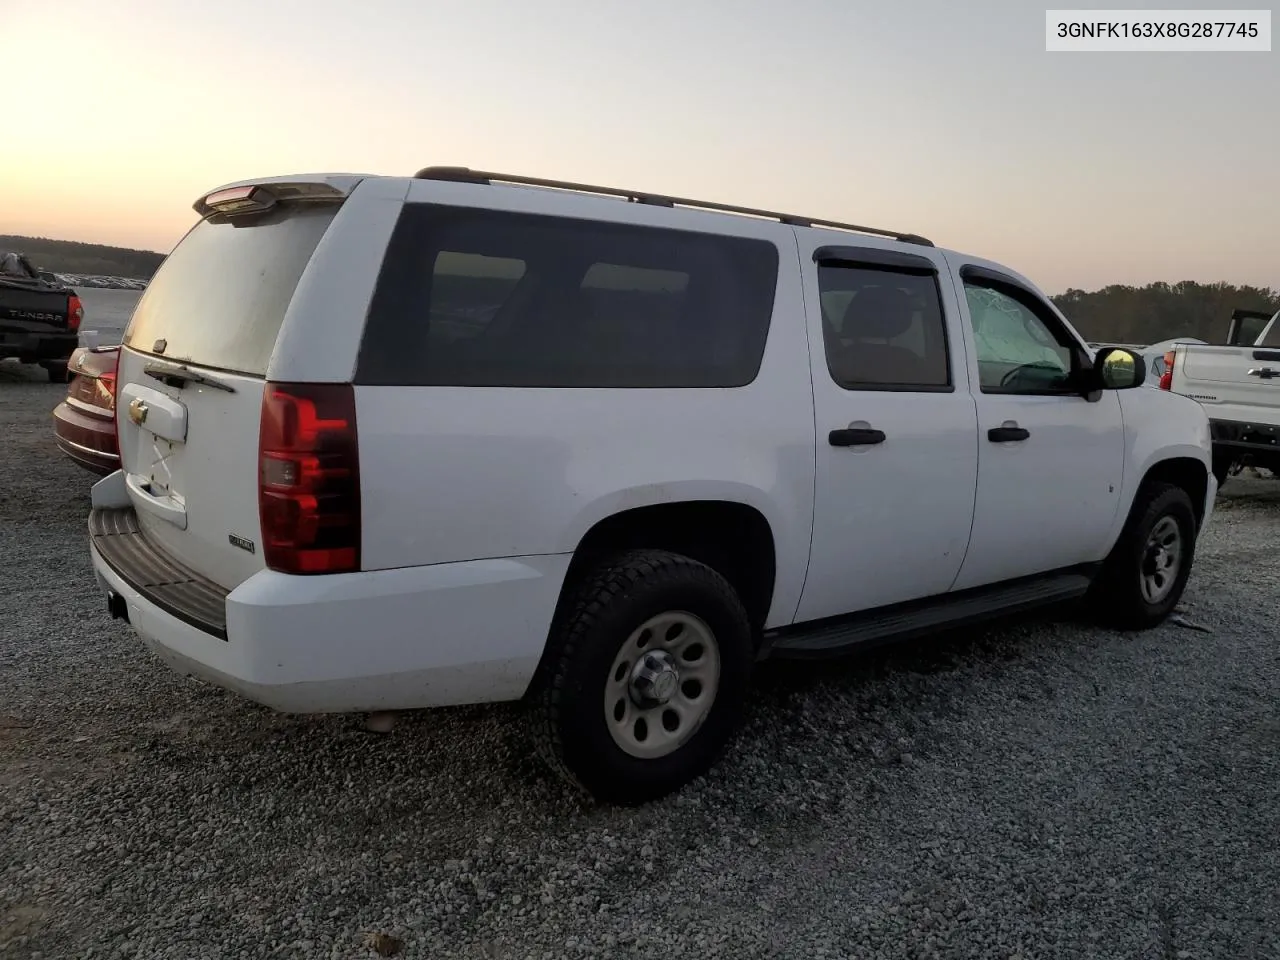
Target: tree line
[(1161, 311), (89, 259)]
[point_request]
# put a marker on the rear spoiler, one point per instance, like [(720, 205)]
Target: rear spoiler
[(1243, 333), (258, 196)]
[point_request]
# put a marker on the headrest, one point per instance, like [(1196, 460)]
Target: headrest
[(878, 313)]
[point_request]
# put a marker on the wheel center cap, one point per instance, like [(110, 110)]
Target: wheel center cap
[(654, 680)]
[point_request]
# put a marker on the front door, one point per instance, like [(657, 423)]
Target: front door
[(1050, 460), (896, 430)]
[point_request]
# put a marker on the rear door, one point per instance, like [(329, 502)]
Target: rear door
[(191, 378), (897, 448)]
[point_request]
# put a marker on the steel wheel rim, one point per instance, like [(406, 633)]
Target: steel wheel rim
[(662, 684), (1161, 560)]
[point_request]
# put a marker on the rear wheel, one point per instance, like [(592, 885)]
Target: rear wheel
[(1222, 467), (58, 372), (645, 676), (1143, 578)]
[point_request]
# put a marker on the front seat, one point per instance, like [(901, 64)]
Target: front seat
[(862, 353)]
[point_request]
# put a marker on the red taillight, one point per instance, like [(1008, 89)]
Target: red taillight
[(1166, 378), (240, 200), (108, 378), (309, 478), (75, 313)]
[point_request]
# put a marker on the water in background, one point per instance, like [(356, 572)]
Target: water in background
[(106, 314)]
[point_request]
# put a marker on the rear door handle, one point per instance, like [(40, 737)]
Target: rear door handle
[(1006, 434), (855, 437)]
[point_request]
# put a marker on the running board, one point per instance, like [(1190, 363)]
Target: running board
[(834, 637)]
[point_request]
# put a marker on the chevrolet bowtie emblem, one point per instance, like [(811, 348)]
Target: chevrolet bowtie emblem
[(138, 411)]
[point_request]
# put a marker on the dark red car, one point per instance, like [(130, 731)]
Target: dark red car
[(84, 424)]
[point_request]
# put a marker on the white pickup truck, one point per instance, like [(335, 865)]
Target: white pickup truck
[(1239, 387)]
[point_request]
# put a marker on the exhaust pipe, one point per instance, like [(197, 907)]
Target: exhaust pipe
[(116, 606)]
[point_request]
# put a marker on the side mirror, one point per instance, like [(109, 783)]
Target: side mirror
[(1116, 368)]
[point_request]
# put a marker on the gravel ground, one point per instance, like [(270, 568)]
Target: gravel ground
[(1041, 790)]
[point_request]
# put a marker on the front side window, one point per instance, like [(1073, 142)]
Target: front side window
[(1017, 350), (883, 329)]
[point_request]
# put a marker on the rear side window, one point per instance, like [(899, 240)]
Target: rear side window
[(491, 299), (219, 299), (883, 329)]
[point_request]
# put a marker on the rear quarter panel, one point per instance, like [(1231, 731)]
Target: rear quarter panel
[(320, 336), (1217, 377), (463, 473)]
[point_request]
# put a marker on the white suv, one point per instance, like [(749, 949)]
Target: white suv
[(391, 443)]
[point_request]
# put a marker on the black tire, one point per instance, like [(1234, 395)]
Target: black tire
[(1118, 594), (1222, 469), (605, 607), (58, 373)]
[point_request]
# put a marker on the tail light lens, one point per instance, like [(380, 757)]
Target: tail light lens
[(104, 390), (108, 380), (1166, 378), (75, 313), (309, 478), (93, 387)]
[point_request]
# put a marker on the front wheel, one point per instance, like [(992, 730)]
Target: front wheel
[(645, 676), (1143, 578)]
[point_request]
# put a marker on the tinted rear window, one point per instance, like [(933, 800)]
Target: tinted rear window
[(218, 300), (482, 298), (1272, 339)]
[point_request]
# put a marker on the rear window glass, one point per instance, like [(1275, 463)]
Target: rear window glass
[(484, 298), (218, 300), (1272, 331)]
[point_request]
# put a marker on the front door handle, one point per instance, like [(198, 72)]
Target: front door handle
[(855, 437), (1007, 433), (1266, 373)]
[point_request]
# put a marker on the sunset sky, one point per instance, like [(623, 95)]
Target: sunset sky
[(943, 118)]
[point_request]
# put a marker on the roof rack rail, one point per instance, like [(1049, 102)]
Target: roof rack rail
[(467, 175)]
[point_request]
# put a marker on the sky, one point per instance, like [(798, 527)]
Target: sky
[(943, 118)]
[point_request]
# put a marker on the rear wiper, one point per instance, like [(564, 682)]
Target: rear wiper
[(180, 376)]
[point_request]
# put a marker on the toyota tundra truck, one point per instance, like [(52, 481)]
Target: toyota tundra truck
[(39, 317)]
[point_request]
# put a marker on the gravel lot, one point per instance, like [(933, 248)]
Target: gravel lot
[(1042, 790)]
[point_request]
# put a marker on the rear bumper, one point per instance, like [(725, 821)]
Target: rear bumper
[(1240, 437), (88, 440), (38, 347), (400, 639)]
